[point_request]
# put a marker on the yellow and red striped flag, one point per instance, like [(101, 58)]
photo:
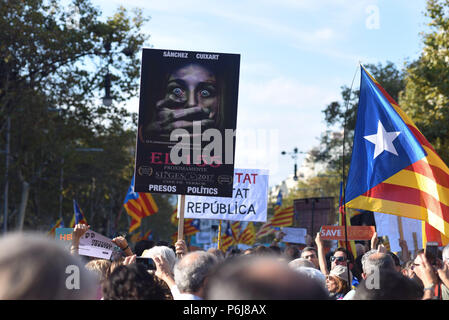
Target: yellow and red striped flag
[(227, 239), (248, 235), (394, 169), (266, 229), (283, 217)]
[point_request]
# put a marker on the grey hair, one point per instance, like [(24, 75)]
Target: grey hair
[(191, 271), (34, 267), (314, 274), (300, 262), (166, 252), (446, 253), (382, 262)]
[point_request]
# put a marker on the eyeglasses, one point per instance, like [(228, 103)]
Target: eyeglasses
[(339, 259)]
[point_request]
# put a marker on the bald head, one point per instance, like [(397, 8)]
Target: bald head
[(191, 271)]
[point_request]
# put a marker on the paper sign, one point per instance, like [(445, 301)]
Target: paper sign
[(64, 235), (294, 235), (248, 202), (354, 232), (93, 244)]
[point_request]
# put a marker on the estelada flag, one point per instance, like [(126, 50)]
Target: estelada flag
[(138, 205), (394, 169), (59, 224), (78, 215)]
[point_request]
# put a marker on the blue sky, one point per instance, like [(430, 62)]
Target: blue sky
[(295, 56)]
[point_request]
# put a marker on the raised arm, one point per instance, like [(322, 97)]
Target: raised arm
[(321, 255), (78, 232)]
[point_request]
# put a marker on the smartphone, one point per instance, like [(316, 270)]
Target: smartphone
[(147, 262), (431, 251)]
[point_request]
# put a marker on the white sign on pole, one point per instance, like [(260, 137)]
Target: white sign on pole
[(248, 202), (387, 225), (294, 235), (93, 244)]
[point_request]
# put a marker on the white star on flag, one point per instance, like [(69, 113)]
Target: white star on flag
[(383, 140)]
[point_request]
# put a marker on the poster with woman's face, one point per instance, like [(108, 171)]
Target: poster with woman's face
[(187, 122)]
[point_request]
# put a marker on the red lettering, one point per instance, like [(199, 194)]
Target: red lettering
[(254, 175), (153, 157), (246, 178), (238, 175)]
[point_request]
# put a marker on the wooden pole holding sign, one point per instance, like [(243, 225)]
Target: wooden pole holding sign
[(181, 217), (401, 232)]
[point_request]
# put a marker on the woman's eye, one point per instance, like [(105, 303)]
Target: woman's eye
[(205, 93), (178, 92)]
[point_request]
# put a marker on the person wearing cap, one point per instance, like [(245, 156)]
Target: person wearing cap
[(337, 282)]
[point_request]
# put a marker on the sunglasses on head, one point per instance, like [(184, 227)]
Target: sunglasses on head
[(339, 259)]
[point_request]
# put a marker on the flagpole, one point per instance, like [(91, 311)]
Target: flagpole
[(181, 217), (342, 183), (219, 236)]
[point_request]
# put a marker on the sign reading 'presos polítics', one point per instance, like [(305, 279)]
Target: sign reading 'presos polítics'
[(248, 202), (187, 122)]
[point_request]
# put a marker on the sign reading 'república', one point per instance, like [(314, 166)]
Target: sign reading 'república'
[(248, 202)]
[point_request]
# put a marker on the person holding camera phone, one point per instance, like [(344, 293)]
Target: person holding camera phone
[(433, 273)]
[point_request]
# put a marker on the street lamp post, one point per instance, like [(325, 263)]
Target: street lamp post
[(294, 155)]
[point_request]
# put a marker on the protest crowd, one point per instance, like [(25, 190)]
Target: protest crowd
[(42, 270)]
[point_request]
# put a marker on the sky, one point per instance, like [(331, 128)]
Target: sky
[(295, 57)]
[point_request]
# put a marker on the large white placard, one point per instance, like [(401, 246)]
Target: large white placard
[(387, 225), (93, 244), (248, 202), (294, 235)]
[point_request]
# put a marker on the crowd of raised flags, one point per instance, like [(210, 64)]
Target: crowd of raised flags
[(406, 178)]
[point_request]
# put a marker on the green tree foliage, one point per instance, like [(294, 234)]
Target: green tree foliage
[(53, 65), (338, 115), (426, 96)]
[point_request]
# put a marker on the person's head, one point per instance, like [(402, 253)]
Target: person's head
[(133, 282), (342, 257), (260, 278), (310, 254), (397, 262), (360, 249), (339, 280), (217, 253), (34, 267), (313, 274), (195, 85), (390, 285), (101, 267), (301, 262), (375, 261), (143, 245), (192, 270), (291, 253), (275, 250), (262, 251), (167, 253)]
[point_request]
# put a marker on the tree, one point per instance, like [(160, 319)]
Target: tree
[(52, 60), (426, 95)]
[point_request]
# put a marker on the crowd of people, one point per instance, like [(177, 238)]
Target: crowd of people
[(36, 267)]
